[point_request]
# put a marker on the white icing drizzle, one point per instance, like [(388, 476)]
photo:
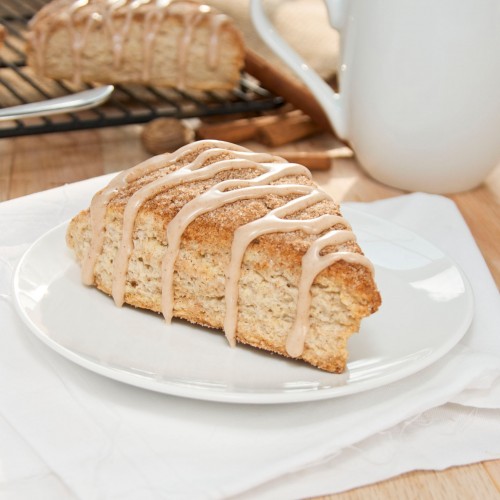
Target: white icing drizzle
[(190, 22), (101, 200), (99, 205), (118, 34), (213, 198), (312, 264), (270, 223), (212, 160), (213, 44), (116, 17)]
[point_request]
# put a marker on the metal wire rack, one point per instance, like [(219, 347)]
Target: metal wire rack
[(128, 103)]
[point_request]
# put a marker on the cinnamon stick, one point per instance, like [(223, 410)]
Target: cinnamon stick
[(273, 131), (289, 128), (244, 129), (281, 84), (313, 160)]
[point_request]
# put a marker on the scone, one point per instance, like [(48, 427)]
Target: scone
[(230, 239), (181, 44)]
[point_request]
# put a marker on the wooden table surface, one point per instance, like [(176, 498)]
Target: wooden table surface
[(36, 163)]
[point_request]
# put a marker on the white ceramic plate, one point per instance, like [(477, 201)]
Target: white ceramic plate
[(427, 308)]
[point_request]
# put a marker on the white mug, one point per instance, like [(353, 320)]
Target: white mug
[(419, 88)]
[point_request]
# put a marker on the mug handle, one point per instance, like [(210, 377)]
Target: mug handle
[(330, 101)]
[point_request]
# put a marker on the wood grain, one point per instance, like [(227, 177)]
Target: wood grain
[(31, 164)]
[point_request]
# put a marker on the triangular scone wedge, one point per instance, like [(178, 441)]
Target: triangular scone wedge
[(182, 44), (230, 239)]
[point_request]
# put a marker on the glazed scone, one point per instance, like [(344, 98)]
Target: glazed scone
[(181, 43), (230, 239)]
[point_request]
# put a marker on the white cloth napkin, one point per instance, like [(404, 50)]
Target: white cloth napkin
[(66, 432)]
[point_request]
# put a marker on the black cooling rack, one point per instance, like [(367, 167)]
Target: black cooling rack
[(128, 103)]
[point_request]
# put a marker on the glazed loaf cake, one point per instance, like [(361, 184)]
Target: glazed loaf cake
[(230, 239), (181, 44)]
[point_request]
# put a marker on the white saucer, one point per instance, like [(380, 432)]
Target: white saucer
[(427, 308)]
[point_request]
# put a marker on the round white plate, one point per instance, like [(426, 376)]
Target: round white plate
[(427, 308)]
